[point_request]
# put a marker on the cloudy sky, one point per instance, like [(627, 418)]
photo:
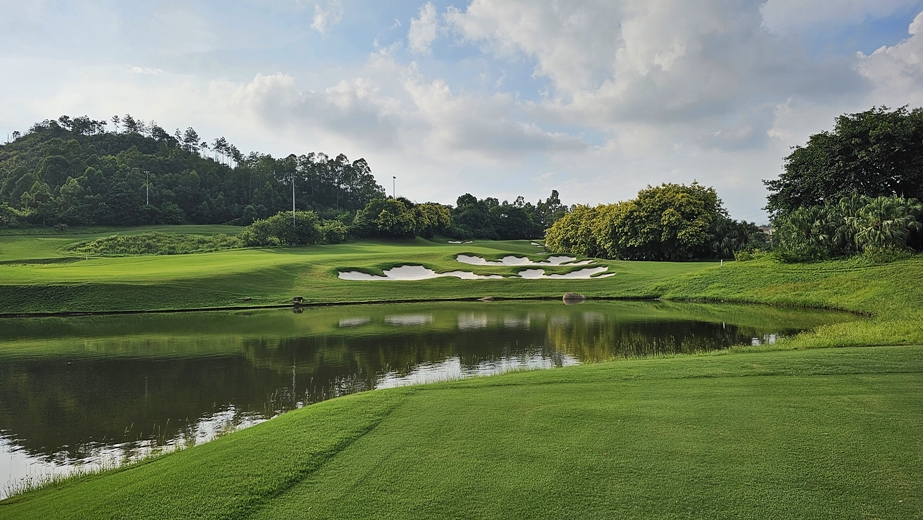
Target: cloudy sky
[(594, 98)]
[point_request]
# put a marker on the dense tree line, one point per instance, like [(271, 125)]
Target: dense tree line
[(490, 218), (128, 172), (72, 171), (668, 222), (876, 153), (852, 190)]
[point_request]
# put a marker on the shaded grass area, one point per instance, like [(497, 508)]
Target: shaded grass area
[(834, 433)]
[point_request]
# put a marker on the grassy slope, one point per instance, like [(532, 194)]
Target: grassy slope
[(809, 434), (45, 279), (891, 293)]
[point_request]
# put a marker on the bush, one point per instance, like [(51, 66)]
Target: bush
[(279, 230), (884, 255), (333, 232)]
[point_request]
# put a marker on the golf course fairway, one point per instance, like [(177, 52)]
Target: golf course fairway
[(789, 430)]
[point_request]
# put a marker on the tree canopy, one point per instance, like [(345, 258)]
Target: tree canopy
[(667, 222), (72, 171), (876, 153), (490, 218)]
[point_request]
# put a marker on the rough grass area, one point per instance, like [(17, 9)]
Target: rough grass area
[(833, 433), (155, 244)]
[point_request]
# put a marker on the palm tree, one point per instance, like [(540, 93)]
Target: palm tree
[(886, 222)]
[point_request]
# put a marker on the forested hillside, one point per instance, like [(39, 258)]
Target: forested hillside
[(75, 172), (125, 172)]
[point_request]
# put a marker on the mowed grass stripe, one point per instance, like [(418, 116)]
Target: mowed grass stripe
[(833, 433)]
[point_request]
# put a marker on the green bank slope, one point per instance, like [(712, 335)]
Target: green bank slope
[(832, 433)]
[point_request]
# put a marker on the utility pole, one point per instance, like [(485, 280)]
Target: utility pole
[(393, 184), (293, 205), (147, 194)]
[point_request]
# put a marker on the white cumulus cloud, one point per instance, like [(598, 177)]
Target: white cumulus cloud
[(422, 30), (897, 71)]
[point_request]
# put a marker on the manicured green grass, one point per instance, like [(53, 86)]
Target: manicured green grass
[(38, 276), (52, 280), (833, 433), (891, 293)]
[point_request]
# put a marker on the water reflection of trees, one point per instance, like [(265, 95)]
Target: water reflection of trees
[(601, 340), (135, 388)]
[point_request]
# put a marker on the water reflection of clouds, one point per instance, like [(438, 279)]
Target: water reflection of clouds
[(767, 339), (452, 369), (472, 321), (353, 322), (409, 319), (21, 467), (516, 322)]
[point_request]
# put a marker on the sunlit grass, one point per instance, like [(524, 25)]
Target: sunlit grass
[(827, 433)]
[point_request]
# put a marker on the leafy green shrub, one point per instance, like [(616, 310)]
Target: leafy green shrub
[(880, 225), (667, 222), (280, 230), (333, 232), (885, 255)]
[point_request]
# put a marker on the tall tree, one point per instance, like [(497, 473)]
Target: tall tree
[(875, 153)]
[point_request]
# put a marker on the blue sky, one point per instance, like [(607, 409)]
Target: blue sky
[(594, 98)]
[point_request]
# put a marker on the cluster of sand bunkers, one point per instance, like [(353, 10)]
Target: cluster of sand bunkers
[(419, 272)]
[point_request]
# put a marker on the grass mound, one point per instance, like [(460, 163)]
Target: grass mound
[(156, 244)]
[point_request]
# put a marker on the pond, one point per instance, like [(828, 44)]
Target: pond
[(82, 392)]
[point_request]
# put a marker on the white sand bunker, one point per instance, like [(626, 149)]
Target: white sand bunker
[(519, 260), (418, 272), (588, 273), (413, 272)]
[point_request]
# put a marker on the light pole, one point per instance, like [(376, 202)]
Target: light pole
[(147, 188), (393, 184), (293, 204)]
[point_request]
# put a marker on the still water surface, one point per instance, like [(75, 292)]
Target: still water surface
[(81, 392)]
